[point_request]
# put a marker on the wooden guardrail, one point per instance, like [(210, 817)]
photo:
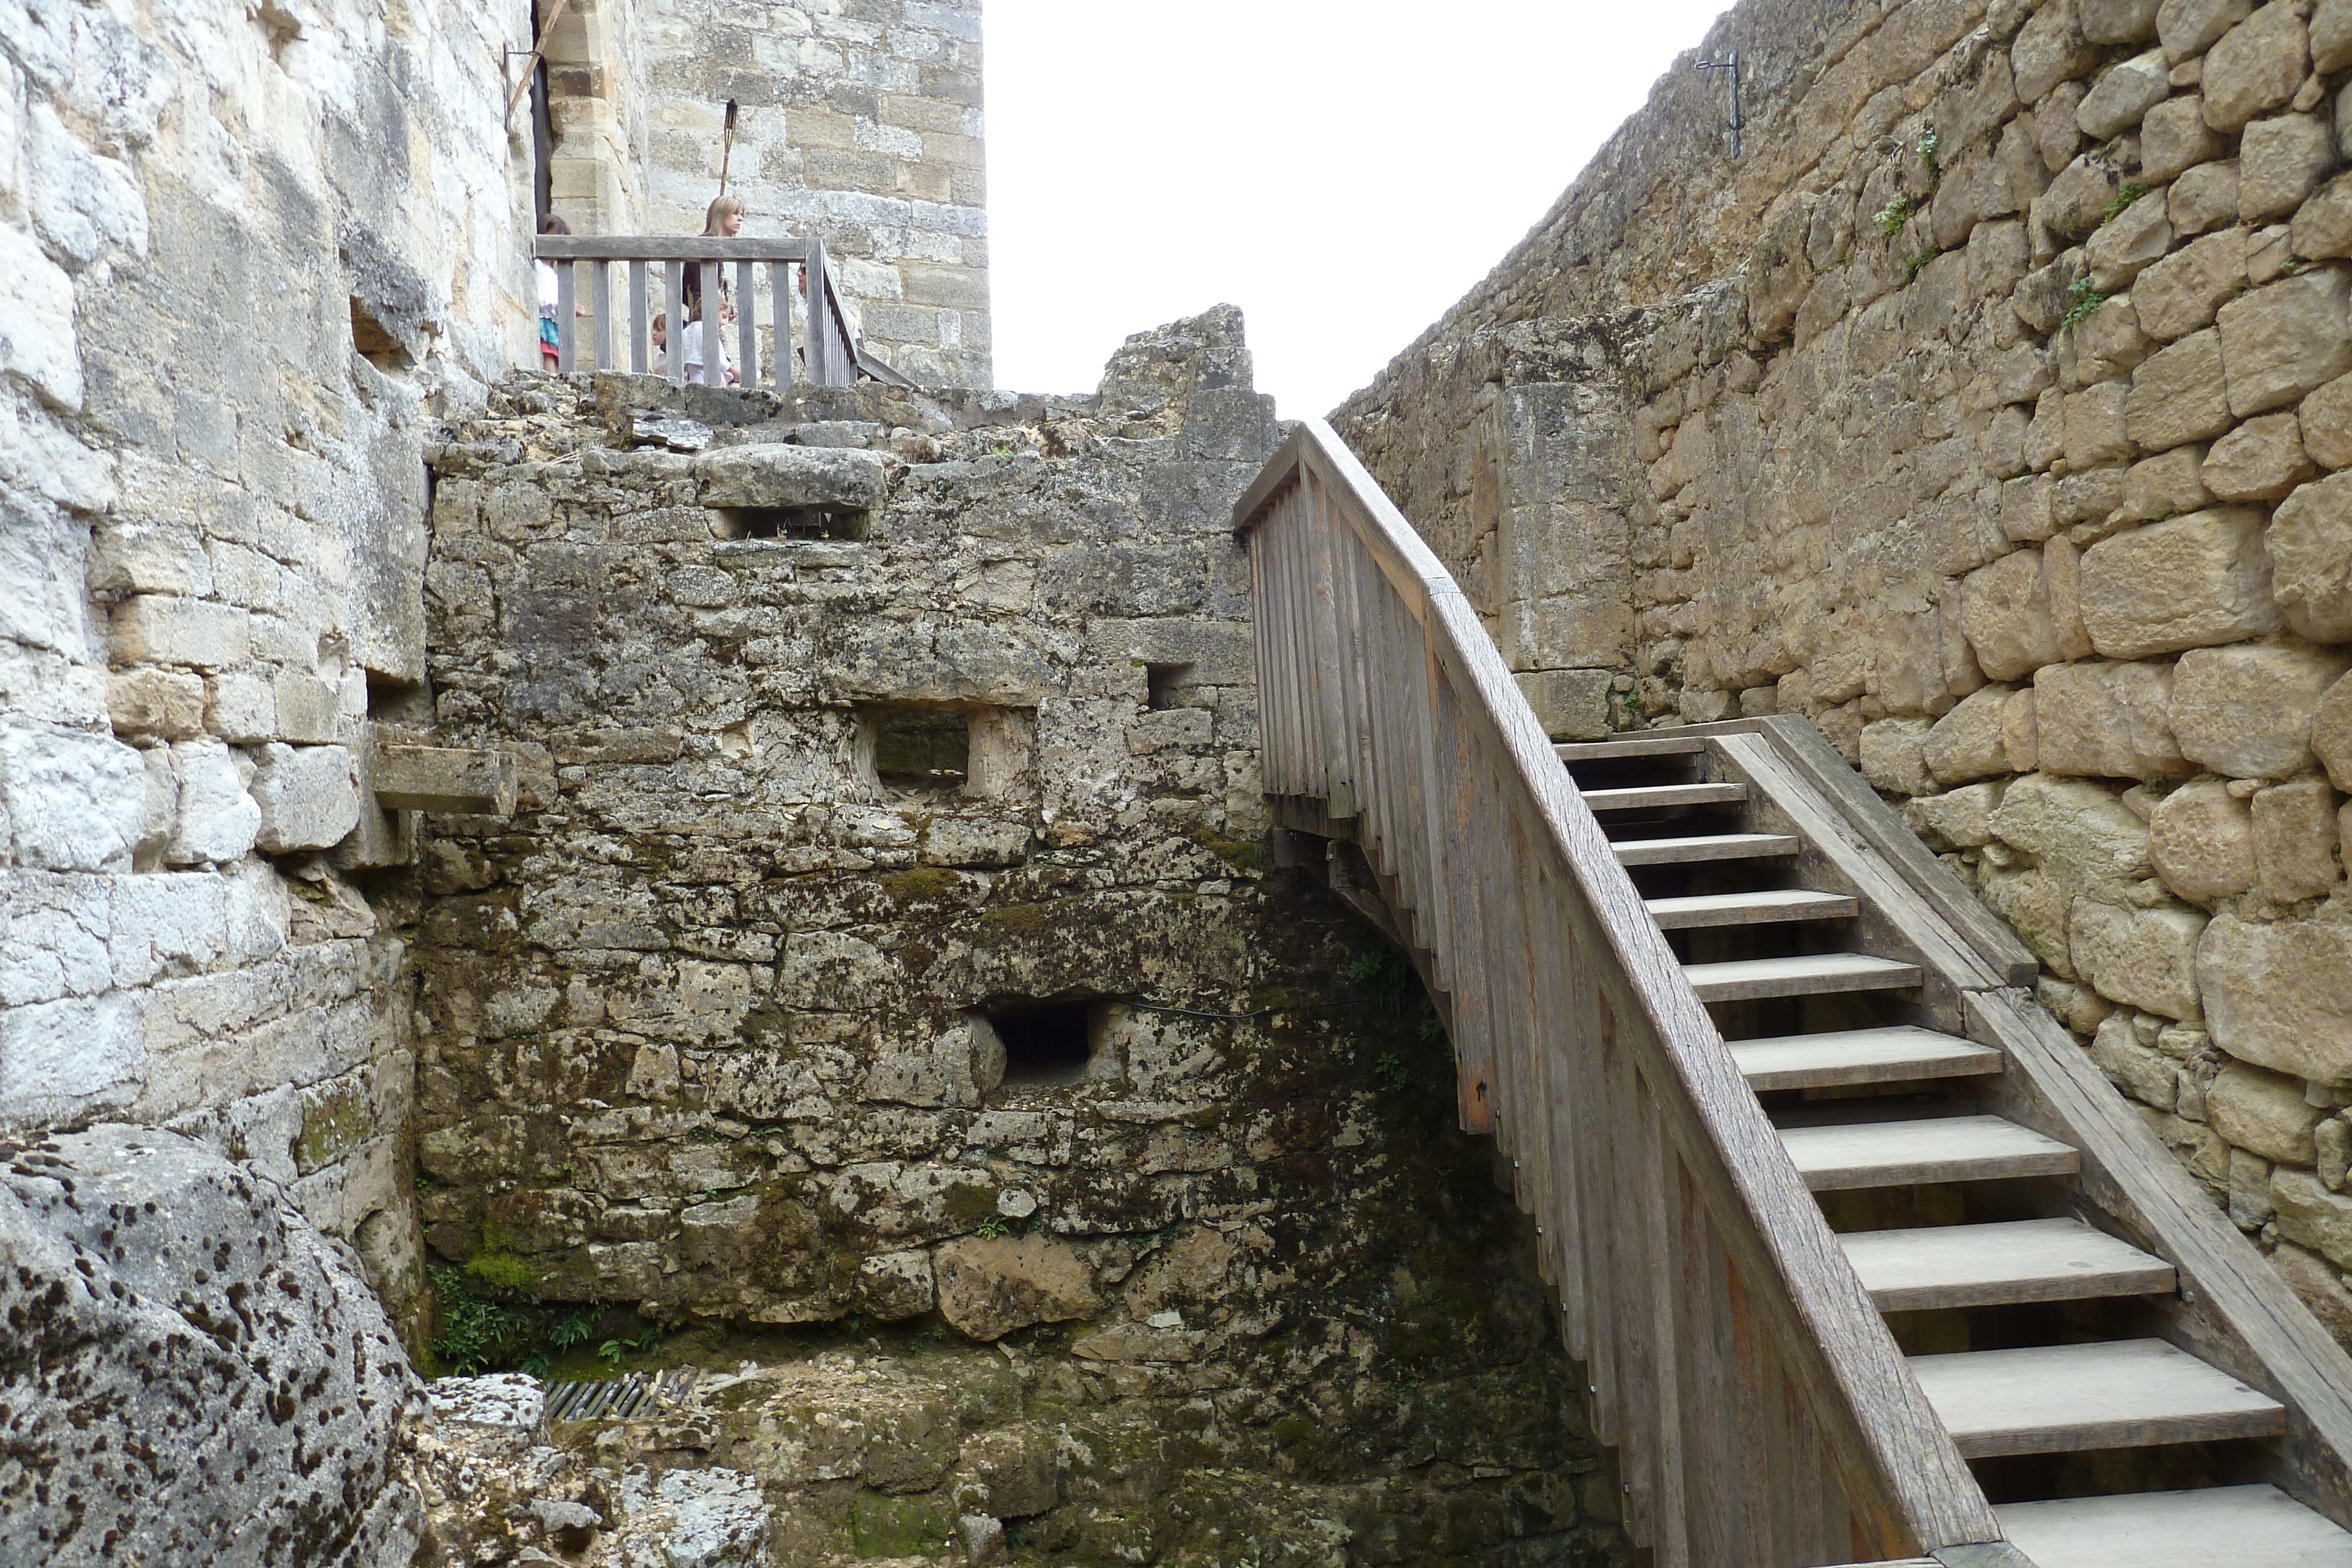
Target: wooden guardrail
[(1762, 1412), (830, 353)]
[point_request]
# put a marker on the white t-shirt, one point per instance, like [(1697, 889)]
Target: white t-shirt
[(690, 346), (548, 296)]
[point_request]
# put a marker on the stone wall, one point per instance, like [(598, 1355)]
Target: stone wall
[(247, 253), (2000, 436), (860, 125), (729, 1022)]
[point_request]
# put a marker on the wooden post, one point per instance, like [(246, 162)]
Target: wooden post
[(820, 328), (640, 321), (714, 343), (566, 321), (603, 290), (674, 315), (780, 289), (747, 324)]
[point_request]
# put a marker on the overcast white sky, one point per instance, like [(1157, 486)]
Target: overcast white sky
[(1342, 170)]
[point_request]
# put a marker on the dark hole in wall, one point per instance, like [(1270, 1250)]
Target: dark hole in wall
[(1163, 685), (788, 523), (392, 700), (921, 748), (1045, 1042), (375, 345)]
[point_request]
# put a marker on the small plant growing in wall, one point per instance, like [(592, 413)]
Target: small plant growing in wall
[(1911, 264), (1890, 218), (2123, 198), (1391, 1070), (2082, 302), (1929, 144), (991, 1228)]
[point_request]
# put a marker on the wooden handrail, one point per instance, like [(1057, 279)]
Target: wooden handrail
[(1762, 1412), (830, 351)]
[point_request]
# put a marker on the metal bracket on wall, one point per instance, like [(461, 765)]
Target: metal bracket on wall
[(1730, 66)]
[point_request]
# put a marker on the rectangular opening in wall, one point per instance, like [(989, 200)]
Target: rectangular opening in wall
[(788, 523), (1164, 685), (391, 700), (920, 747), (1047, 1043)]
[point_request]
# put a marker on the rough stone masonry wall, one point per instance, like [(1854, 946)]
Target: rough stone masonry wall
[(2011, 455), (708, 1023), (211, 547), (860, 125)]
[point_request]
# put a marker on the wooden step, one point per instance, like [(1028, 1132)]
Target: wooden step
[(1807, 975), (1992, 1265), (1751, 908), (2063, 1398), (2218, 1527), (1637, 745), (1897, 1054), (1658, 797), (1707, 847), (1846, 1155)]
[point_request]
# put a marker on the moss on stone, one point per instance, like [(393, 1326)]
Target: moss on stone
[(503, 1269), (882, 1526), (924, 883)]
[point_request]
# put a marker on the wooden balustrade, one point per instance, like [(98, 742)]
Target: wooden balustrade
[(830, 355), (1761, 1413)]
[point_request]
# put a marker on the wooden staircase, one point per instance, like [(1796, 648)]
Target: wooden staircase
[(2032, 1329), (1862, 1256)]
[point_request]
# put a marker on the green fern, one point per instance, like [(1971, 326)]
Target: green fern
[(2082, 302)]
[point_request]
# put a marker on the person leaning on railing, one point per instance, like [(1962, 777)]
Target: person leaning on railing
[(550, 299), (724, 221)]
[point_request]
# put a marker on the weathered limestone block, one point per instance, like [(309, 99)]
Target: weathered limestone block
[(2146, 1075), (168, 705), (2247, 712), (71, 801), (308, 796), (2005, 612), (216, 820), (2094, 427), (2309, 546), (2322, 226), (2204, 198), (69, 1058), (777, 474), (2102, 720), (2201, 838), (2128, 89), (1893, 756), (2077, 200), (2280, 163), (2117, 21), (2279, 994), (2180, 294), (2049, 50), (2311, 1215), (895, 1286), (1572, 704), (2294, 840), (2179, 396), (2174, 138), (2315, 1281), (2062, 568), (2189, 27), (1959, 820), (1965, 743), (2128, 242), (2187, 582), (2078, 830), (309, 710), (2264, 1112), (199, 1377), (2256, 66), (2286, 338), (2331, 733), (2331, 36), (2020, 733), (160, 629), (240, 708), (2146, 958), (2166, 485), (2260, 460), (989, 1287), (2033, 903)]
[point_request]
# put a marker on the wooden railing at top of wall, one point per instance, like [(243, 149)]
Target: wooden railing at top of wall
[(1762, 1414), (830, 354)]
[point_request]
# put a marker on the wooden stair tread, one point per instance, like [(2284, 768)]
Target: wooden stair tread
[(2116, 1394), (1639, 746), (1657, 797), (1751, 908), (1806, 974), (2217, 1527), (1896, 1054), (1899, 1153), (1705, 847), (1990, 1265)]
